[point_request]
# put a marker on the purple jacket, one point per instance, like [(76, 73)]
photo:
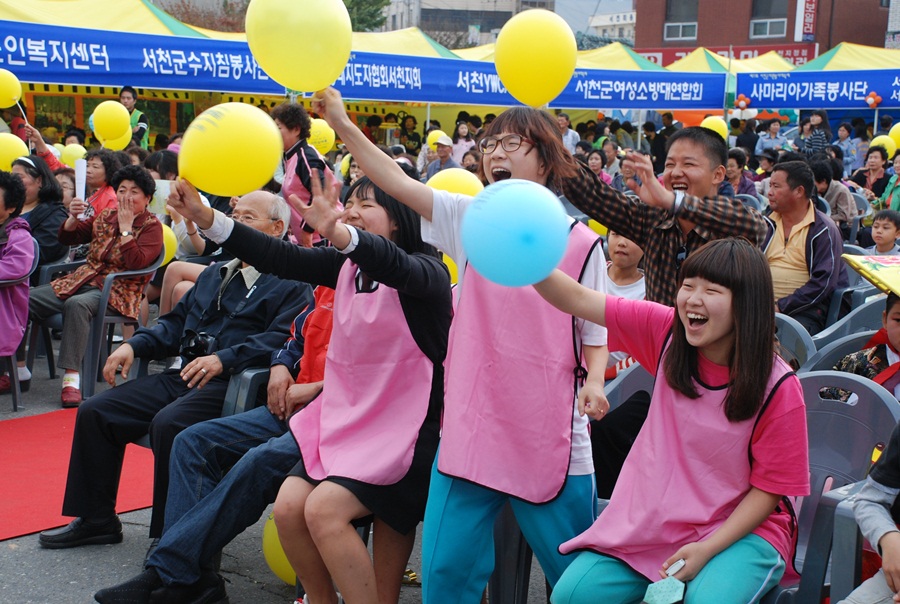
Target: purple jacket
[(16, 259)]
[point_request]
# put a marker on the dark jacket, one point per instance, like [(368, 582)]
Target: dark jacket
[(261, 323), (824, 246), (45, 220)]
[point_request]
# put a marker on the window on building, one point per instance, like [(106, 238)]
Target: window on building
[(681, 20), (768, 19)]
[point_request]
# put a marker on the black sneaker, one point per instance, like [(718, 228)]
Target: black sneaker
[(78, 532), (210, 589), (133, 591)]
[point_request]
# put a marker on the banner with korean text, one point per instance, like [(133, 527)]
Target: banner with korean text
[(820, 89), (52, 54)]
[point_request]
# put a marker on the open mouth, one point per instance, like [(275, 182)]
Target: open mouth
[(500, 174), (679, 186), (696, 319)]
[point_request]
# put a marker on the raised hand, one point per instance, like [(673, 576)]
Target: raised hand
[(329, 104), (323, 211), (184, 199)]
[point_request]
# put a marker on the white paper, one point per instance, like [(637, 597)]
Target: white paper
[(80, 181)]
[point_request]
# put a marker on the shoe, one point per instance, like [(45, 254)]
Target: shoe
[(210, 589), (6, 384), (70, 397), (411, 578), (153, 545), (133, 591), (78, 532)]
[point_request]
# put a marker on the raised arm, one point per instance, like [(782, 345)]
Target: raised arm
[(572, 298), (380, 168)]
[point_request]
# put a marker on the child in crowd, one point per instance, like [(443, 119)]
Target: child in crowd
[(875, 506), (723, 445), (612, 438), (885, 230), (511, 432)]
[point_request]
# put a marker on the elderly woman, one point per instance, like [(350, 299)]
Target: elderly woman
[(16, 258), (126, 238), (43, 207)]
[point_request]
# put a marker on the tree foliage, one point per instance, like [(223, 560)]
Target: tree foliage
[(365, 15), (590, 41)]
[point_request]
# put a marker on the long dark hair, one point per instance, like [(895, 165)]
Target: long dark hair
[(36, 167), (408, 235), (742, 268)]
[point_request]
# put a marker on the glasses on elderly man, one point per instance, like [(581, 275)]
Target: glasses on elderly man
[(246, 218), (510, 143)]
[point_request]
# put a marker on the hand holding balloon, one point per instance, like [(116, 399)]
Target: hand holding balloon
[(329, 104)]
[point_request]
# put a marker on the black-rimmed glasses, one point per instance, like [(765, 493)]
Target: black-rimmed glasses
[(510, 143)]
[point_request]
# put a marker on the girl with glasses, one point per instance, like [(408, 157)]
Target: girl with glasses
[(511, 431)]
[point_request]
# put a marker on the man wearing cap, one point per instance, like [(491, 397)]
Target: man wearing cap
[(444, 147)]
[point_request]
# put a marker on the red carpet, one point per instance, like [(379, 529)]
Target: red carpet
[(34, 461)]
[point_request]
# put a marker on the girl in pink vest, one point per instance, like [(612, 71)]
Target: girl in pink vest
[(510, 431), (368, 441), (723, 445)]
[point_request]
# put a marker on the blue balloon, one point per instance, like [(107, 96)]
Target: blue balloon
[(91, 122), (515, 232)]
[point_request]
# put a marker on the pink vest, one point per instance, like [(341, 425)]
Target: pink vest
[(292, 185), (365, 424), (510, 385), (662, 499)]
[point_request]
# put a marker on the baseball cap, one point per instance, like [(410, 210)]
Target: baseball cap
[(444, 140)]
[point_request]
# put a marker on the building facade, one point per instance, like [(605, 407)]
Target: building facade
[(458, 23), (614, 25), (799, 30)]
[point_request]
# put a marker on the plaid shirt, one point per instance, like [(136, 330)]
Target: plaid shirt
[(657, 232)]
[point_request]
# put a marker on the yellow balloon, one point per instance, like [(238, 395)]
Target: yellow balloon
[(345, 165), (119, 143), (895, 134), (230, 149), (274, 554), (111, 121), (597, 227), (11, 148), (321, 136), (10, 88), (456, 180), (431, 139), (451, 266), (72, 152), (324, 26), (170, 243), (535, 56), (717, 125), (59, 147), (885, 141)]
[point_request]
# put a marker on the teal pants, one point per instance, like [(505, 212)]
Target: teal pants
[(458, 533), (743, 572)]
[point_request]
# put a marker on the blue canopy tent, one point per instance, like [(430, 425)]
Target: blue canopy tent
[(67, 55)]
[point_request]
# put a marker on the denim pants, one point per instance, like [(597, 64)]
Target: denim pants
[(223, 475)]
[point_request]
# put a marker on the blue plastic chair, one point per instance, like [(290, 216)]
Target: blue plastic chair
[(864, 318), (826, 358), (796, 343), (842, 437)]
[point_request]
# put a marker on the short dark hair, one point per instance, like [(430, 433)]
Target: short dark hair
[(163, 163), (821, 169), (38, 168), (798, 174), (878, 149), (584, 146), (648, 126), (292, 116), (886, 121), (599, 154), (837, 169), (565, 115), (790, 156), (889, 215), (133, 92), (77, 133), (138, 176), (739, 156), (892, 299), (735, 122), (107, 158), (713, 145), (13, 193), (769, 154)]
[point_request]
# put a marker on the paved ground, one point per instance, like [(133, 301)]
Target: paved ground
[(30, 574)]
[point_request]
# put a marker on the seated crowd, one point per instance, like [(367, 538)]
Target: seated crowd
[(331, 277)]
